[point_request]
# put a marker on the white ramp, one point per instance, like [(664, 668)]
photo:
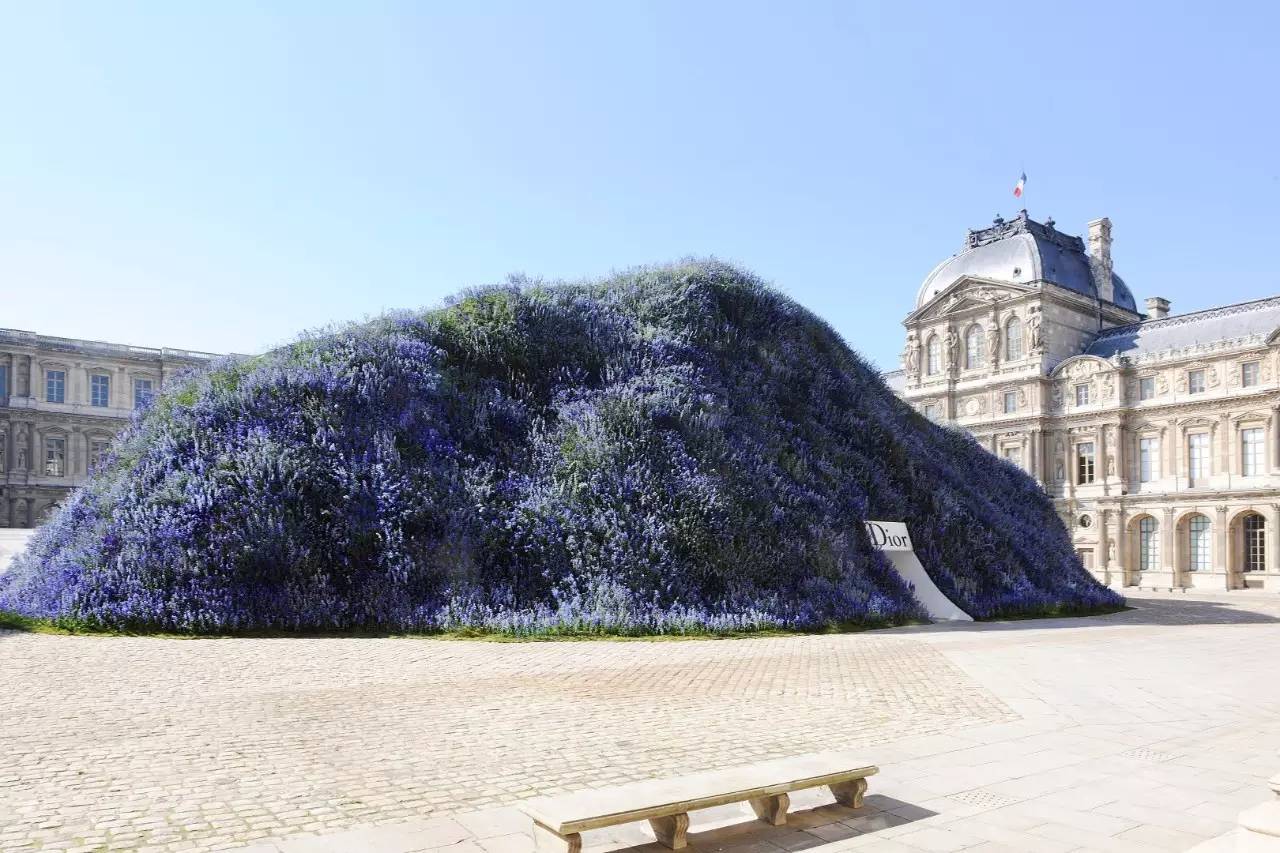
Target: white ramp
[(891, 538)]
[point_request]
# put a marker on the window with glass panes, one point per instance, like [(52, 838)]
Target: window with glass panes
[(100, 390), (1010, 402), (98, 452), (1146, 388), (1195, 381), (1148, 544), (1255, 543), (974, 347), (1198, 458), (1198, 544), (1252, 451), (1013, 339), (1148, 459), (141, 392), (1013, 454), (1082, 395), (1084, 462), (933, 356), (55, 456), (55, 386), (1249, 374), (4, 381)]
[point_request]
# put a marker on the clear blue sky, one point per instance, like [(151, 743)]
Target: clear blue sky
[(220, 176)]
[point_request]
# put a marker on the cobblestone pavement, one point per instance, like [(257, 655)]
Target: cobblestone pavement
[(123, 743), (1138, 732)]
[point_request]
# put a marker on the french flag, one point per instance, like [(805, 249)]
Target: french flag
[(1018, 187)]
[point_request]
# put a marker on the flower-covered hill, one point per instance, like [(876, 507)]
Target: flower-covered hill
[(675, 449)]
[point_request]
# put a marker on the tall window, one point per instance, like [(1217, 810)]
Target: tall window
[(1198, 543), (1195, 381), (931, 411), (100, 390), (1148, 544), (4, 381), (98, 453), (1010, 402), (1013, 339), (1249, 374), (1252, 451), (1146, 388), (1148, 459), (974, 344), (1084, 462), (55, 386), (1198, 458), (1255, 543), (55, 457), (1082, 395), (933, 355), (4, 448), (141, 392), (1013, 454)]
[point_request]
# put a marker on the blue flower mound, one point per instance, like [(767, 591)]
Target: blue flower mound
[(675, 450)]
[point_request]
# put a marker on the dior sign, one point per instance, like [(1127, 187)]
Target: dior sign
[(892, 538), (888, 535)]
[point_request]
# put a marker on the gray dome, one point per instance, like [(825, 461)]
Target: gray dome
[(1022, 252)]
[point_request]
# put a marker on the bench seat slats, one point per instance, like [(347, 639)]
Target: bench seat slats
[(598, 808)]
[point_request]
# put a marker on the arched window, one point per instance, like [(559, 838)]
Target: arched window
[(1255, 543), (974, 342), (1198, 543), (1148, 544), (1013, 339), (933, 355)]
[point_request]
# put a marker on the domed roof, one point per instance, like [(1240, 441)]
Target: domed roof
[(1022, 251)]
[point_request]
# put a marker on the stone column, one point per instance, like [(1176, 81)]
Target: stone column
[(1104, 552), (1122, 546), (1272, 560), (1273, 444), (1033, 467), (1069, 475), (1168, 553), (22, 380), (1221, 554)]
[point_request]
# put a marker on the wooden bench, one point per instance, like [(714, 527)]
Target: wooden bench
[(559, 821)]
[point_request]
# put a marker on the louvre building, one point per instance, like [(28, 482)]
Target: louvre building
[(1156, 434)]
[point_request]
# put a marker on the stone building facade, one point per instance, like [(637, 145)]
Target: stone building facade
[(62, 401), (1158, 436)]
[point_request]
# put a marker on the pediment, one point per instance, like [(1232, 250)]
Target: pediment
[(968, 293), (1080, 367)]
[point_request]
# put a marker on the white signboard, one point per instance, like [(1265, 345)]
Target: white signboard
[(892, 538)]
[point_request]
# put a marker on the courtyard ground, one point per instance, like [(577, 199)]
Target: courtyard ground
[(1143, 730)]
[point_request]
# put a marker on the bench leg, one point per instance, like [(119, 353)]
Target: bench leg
[(550, 841), (772, 810), (671, 831), (849, 793)]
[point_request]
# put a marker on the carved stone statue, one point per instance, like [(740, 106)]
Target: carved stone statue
[(911, 356), (993, 342), (953, 348), (20, 449), (1111, 465), (1033, 328), (1059, 475), (1111, 552)]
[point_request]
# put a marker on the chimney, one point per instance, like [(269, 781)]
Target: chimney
[(1157, 307), (1100, 258)]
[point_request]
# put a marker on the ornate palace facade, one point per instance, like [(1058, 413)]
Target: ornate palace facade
[(62, 401), (1158, 436)]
